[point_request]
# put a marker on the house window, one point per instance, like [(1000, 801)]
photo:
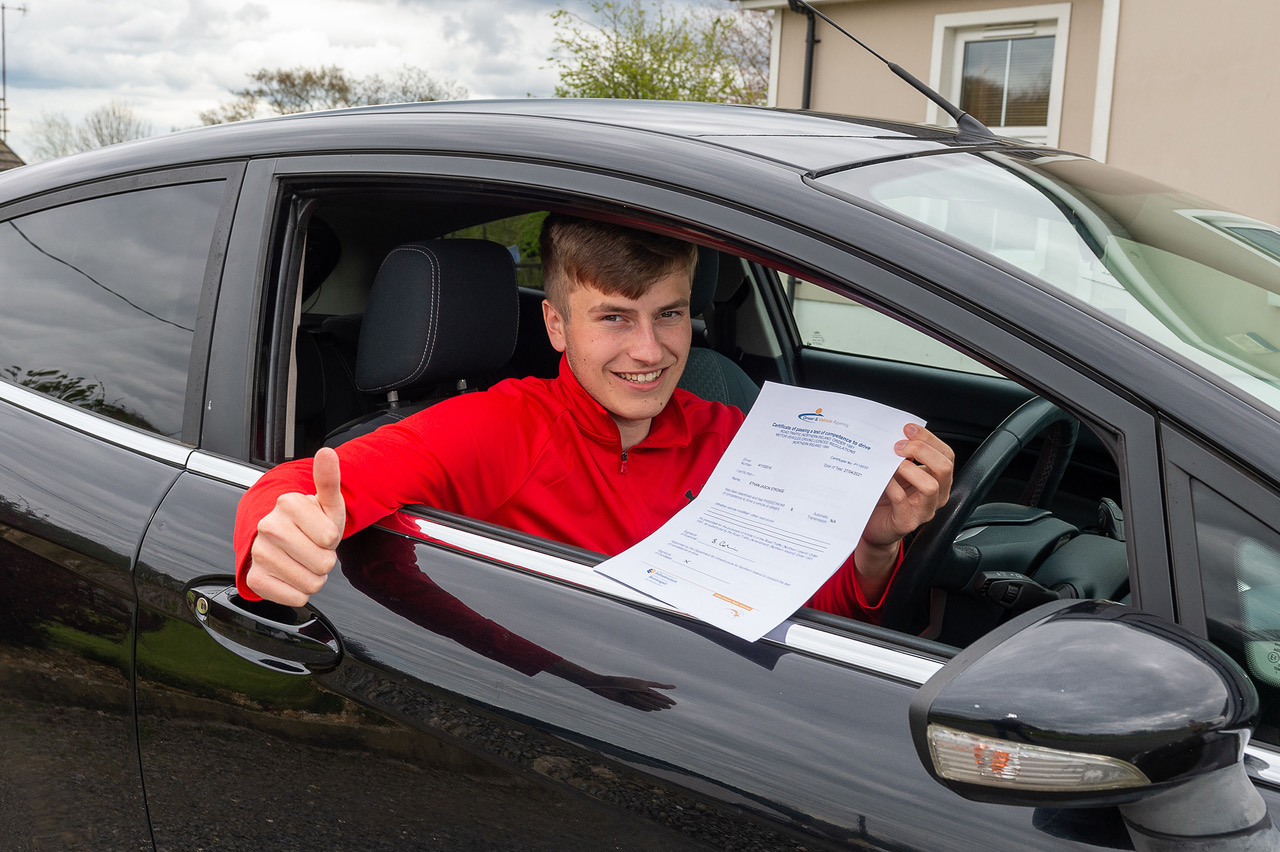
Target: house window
[(1005, 67)]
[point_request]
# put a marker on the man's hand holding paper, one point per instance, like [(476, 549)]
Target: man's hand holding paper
[(810, 476), (920, 485)]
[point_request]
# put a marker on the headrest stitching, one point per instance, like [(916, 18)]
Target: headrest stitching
[(432, 326)]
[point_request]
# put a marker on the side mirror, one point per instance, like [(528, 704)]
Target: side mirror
[(1091, 703)]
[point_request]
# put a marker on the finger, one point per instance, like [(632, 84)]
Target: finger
[(303, 564), (298, 526), (939, 462), (326, 472), (917, 478), (918, 436), (265, 583)]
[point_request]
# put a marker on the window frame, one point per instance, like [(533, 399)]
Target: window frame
[(756, 238), (231, 174), (953, 30)]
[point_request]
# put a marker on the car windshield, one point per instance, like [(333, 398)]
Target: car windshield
[(1202, 281)]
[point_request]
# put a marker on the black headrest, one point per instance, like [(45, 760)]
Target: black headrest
[(705, 275), (439, 310)]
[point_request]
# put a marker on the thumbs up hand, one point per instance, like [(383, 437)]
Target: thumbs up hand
[(294, 550)]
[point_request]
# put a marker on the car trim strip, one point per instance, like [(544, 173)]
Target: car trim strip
[(222, 469), (531, 560), (865, 655), (154, 446), (795, 635), (1262, 763), (870, 656)]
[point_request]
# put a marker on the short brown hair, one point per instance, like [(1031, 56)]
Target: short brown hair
[(611, 258)]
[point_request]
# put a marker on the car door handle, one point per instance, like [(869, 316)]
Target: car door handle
[(294, 640)]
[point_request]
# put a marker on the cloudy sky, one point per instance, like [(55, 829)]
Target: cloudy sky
[(170, 59)]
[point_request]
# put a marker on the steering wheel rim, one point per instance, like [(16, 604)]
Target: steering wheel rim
[(906, 603)]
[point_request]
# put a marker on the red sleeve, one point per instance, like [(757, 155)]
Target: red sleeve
[(464, 455), (841, 595)]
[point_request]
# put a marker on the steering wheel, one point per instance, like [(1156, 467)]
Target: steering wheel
[(906, 603)]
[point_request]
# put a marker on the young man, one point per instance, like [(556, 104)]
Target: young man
[(599, 457)]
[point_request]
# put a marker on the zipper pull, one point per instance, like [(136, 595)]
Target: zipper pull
[(623, 469)]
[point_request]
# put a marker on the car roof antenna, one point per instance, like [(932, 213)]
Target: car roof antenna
[(970, 130)]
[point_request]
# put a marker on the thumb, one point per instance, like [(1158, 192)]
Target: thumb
[(328, 479)]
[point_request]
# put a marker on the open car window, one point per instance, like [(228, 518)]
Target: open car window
[(346, 234)]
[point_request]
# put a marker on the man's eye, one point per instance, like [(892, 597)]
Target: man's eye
[(671, 314), (611, 318)]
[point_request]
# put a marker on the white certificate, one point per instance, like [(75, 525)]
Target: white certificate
[(782, 510)]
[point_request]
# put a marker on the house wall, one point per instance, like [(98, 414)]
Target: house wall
[(1194, 100), (849, 80)]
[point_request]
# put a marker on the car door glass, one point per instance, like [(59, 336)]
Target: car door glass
[(830, 321), (101, 299), (1240, 565)]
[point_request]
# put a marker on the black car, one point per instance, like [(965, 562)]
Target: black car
[(181, 313)]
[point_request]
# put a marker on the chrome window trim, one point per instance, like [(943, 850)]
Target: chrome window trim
[(531, 560), (1265, 763), (869, 656), (143, 443), (901, 665), (223, 469)]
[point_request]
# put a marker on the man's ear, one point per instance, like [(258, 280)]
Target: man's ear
[(555, 325)]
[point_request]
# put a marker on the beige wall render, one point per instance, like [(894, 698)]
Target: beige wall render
[(1180, 91), (1197, 99)]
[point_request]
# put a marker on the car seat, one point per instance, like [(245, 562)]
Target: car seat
[(442, 317), (708, 373)]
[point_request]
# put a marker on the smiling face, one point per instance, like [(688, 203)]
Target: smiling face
[(627, 353)]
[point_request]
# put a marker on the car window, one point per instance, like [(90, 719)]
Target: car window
[(1239, 558), (830, 321), (1158, 263), (101, 299), (965, 399)]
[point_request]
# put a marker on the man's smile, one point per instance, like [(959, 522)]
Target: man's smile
[(641, 378)]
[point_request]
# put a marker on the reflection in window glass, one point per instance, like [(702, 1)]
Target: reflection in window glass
[(1240, 568), (1137, 252), (101, 299)]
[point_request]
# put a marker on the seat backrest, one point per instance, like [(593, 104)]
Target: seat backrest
[(442, 314), (708, 373)]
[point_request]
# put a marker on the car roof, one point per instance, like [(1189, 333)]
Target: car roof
[(805, 142)]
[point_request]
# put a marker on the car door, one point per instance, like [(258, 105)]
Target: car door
[(422, 697), (104, 288)]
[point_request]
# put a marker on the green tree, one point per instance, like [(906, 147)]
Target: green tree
[(645, 49), (56, 136), (281, 91)]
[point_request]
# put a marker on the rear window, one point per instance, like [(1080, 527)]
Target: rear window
[(101, 299)]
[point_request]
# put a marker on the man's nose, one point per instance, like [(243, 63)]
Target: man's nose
[(645, 346)]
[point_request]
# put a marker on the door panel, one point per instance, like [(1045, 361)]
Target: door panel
[(238, 753), (460, 713), (72, 511)]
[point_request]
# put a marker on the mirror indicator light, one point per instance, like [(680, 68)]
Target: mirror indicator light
[(985, 761)]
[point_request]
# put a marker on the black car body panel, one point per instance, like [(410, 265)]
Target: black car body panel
[(435, 722)]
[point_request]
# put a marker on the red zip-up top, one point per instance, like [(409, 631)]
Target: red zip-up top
[(537, 455)]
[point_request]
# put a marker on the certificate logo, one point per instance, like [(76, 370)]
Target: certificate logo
[(815, 416)]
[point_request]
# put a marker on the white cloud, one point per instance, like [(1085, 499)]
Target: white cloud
[(170, 60)]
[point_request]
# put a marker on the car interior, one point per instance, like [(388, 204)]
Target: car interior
[(394, 298)]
